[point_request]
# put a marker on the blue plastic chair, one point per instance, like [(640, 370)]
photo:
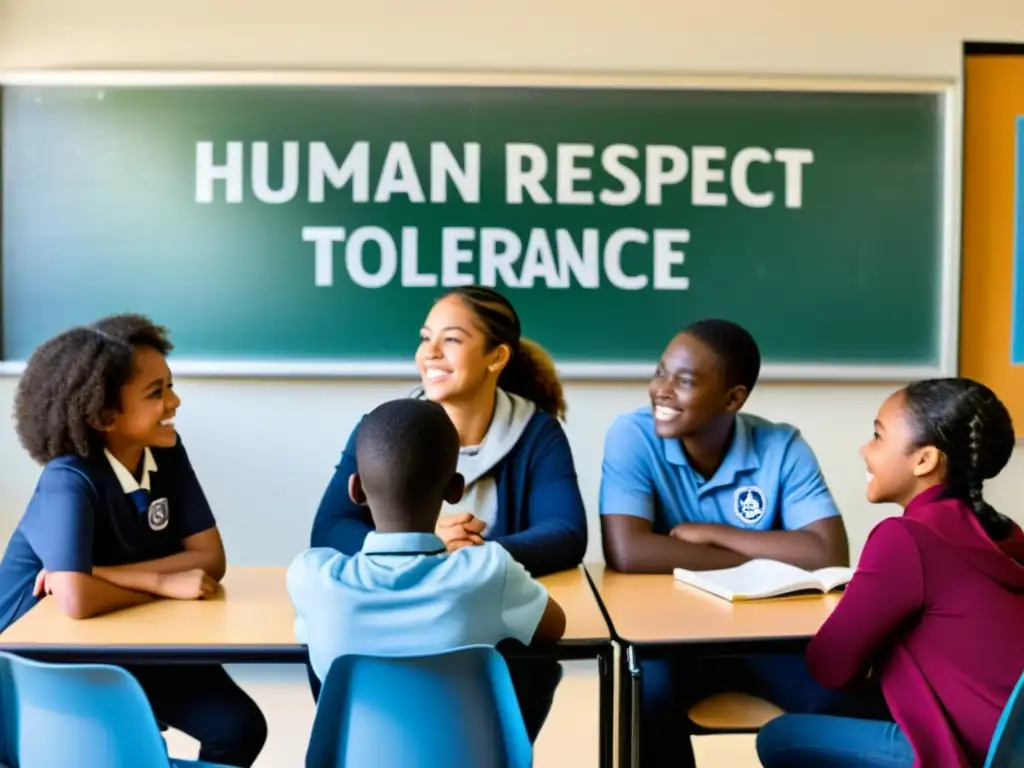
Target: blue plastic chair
[(8, 715), (456, 709), (84, 715), (1007, 747)]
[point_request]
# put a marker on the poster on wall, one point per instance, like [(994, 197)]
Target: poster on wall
[(992, 243), (1017, 345)]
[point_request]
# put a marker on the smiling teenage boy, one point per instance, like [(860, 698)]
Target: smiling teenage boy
[(118, 517), (690, 482)]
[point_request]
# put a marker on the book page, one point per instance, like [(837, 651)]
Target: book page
[(752, 580), (831, 578)]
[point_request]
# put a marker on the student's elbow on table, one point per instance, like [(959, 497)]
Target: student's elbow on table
[(619, 542), (208, 547), (552, 623), (617, 557), (71, 591), (573, 550), (832, 545), (217, 568), (622, 556)]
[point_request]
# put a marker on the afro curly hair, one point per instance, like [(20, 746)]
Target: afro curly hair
[(73, 382)]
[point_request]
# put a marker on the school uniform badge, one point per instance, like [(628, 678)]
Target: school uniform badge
[(159, 514), (749, 504)]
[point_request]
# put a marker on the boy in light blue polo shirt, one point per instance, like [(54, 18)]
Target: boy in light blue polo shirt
[(690, 482), (403, 593)]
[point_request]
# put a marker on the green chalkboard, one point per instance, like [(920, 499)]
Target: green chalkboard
[(611, 217)]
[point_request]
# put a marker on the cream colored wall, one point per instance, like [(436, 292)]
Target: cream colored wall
[(871, 37), (265, 449)]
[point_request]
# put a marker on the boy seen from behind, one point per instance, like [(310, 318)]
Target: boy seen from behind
[(404, 593)]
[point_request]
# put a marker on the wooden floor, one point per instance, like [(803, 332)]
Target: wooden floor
[(569, 738)]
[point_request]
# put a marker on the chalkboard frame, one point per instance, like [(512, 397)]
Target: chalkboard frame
[(947, 93)]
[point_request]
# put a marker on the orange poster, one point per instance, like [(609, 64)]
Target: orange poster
[(992, 282)]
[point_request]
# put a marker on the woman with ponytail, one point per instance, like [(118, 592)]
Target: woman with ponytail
[(935, 610), (503, 395)]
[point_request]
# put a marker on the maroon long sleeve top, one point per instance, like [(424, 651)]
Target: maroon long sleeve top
[(935, 610)]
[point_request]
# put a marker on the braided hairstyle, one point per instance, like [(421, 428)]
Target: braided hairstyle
[(530, 373), (971, 426)]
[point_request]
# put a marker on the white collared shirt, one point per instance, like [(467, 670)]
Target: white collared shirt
[(127, 480)]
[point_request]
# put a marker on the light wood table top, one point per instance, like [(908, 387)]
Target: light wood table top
[(583, 618), (250, 619), (656, 609), (252, 611)]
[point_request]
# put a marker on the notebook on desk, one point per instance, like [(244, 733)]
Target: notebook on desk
[(762, 579)]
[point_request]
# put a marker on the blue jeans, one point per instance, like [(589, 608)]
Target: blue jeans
[(794, 741), (671, 687)]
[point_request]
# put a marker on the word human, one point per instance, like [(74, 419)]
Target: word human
[(566, 176)]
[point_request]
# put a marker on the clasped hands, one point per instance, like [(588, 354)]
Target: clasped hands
[(460, 530), (463, 530)]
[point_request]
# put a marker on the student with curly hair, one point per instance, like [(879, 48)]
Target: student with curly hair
[(118, 517), (503, 396)]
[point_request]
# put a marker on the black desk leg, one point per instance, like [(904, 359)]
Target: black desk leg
[(629, 708), (606, 676)]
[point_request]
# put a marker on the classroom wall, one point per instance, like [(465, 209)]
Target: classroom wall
[(265, 449)]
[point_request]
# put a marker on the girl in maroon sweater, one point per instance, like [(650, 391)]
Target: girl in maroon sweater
[(935, 611)]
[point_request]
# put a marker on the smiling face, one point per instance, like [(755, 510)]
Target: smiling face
[(689, 391), (452, 358), (148, 404), (897, 468)]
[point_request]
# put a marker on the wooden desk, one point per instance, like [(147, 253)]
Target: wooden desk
[(658, 610), (584, 622), (656, 616), (251, 621)]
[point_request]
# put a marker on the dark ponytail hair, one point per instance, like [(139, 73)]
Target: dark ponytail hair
[(968, 423), (530, 372)]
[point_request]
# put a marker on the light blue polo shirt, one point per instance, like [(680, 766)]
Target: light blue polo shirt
[(769, 478), (403, 594)]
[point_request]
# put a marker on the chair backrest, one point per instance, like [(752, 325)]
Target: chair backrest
[(456, 709), (8, 715), (1006, 749), (83, 715)]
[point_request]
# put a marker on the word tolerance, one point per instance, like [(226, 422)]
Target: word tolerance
[(615, 175)]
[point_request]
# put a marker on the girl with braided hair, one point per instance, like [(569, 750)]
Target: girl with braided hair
[(935, 610)]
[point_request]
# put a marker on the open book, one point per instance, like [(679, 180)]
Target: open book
[(759, 579)]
